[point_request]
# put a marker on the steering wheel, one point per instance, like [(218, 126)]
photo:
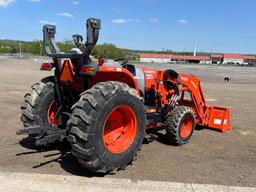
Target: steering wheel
[(78, 39), (124, 59)]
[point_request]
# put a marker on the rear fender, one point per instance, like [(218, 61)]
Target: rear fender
[(113, 74)]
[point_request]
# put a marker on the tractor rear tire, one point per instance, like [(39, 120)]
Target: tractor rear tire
[(38, 103), (107, 127), (180, 125)]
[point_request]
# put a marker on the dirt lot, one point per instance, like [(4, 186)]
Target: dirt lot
[(210, 157)]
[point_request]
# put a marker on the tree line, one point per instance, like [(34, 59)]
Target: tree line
[(36, 47), (105, 50)]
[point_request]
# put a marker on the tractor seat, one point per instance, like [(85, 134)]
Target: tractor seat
[(76, 50)]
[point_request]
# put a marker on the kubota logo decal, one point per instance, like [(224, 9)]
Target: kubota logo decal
[(183, 78), (150, 71)]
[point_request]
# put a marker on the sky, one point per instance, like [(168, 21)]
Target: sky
[(180, 25)]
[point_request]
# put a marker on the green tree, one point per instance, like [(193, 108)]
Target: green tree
[(106, 50), (66, 45), (5, 49), (35, 47)]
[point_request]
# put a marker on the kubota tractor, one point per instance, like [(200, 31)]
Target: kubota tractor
[(104, 109)]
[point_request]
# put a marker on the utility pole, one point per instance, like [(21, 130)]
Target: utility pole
[(41, 50), (163, 56), (20, 45), (195, 50), (184, 55)]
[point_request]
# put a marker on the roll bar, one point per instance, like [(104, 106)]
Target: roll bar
[(51, 49)]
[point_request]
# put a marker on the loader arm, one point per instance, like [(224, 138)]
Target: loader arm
[(194, 87), (209, 116)]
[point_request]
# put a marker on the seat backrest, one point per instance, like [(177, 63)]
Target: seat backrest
[(111, 63)]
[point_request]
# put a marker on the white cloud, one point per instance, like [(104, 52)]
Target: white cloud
[(138, 20), (121, 21), (6, 3), (66, 15), (183, 21), (34, 1), (75, 2), (44, 22), (153, 20), (124, 21)]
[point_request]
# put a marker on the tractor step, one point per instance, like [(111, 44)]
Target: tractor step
[(153, 117)]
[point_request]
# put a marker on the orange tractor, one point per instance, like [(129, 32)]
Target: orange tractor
[(105, 109)]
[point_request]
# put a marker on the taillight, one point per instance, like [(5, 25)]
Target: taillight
[(87, 70), (46, 66)]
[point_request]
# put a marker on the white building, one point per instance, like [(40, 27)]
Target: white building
[(236, 59), (154, 58), (168, 58), (233, 59)]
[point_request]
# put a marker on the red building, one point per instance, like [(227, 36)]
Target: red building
[(236, 59), (168, 58)]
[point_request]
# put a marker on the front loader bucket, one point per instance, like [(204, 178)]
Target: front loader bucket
[(219, 118)]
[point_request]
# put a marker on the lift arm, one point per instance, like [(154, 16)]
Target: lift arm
[(52, 50)]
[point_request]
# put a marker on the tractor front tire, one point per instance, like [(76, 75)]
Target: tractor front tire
[(180, 125), (107, 127), (39, 105)]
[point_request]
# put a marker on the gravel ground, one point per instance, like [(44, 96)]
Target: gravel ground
[(210, 157)]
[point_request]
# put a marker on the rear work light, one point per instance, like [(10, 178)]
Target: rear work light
[(46, 66)]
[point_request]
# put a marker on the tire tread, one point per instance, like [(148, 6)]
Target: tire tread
[(82, 116), (172, 122)]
